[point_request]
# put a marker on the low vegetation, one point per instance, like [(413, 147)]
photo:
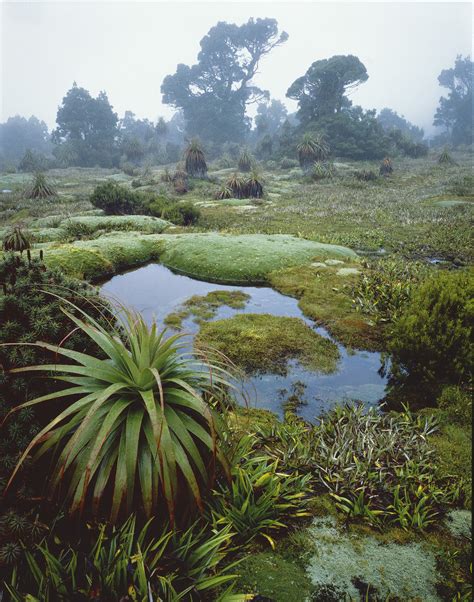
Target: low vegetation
[(264, 343)]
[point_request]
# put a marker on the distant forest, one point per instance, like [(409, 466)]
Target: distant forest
[(211, 99)]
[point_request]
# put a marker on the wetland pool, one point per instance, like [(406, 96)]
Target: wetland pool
[(155, 291)]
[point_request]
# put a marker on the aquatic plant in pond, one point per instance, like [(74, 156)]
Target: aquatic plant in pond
[(205, 307)]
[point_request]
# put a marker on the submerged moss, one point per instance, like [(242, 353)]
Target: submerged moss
[(204, 307), (261, 343)]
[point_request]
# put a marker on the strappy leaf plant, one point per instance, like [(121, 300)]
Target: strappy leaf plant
[(16, 240), (135, 430), (312, 148), (245, 161), (195, 161)]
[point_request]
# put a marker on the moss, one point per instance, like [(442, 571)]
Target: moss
[(453, 444), (243, 420), (98, 258), (273, 577), (326, 297), (248, 258), (205, 307), (139, 223), (264, 343)]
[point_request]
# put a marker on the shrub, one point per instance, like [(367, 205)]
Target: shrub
[(456, 404), (115, 199), (287, 163), (27, 314), (140, 430), (181, 214), (386, 167), (365, 175), (431, 343), (463, 186)]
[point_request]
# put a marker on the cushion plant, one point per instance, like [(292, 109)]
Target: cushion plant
[(136, 428)]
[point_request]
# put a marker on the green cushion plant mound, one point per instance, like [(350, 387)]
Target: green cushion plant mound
[(139, 429), (137, 223), (261, 343), (243, 258), (103, 256)]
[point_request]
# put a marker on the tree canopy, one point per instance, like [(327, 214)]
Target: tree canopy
[(390, 120), (215, 92), (322, 90), (270, 117), (19, 135), (454, 113), (88, 126)]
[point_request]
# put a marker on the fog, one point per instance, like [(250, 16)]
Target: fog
[(127, 48)]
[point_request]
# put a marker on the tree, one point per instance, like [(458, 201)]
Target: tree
[(215, 92), (454, 113), (321, 92), (270, 117), (391, 121), (88, 125), (18, 135)]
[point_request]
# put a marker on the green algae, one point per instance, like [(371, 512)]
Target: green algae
[(263, 343)]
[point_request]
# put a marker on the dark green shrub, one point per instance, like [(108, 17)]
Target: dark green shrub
[(431, 344), (115, 199), (28, 314), (181, 214), (456, 404), (287, 163), (366, 175)]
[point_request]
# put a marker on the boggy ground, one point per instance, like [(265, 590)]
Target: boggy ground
[(307, 239)]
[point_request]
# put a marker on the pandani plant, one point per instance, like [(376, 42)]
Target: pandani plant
[(312, 148), (224, 192), (245, 161), (136, 429), (445, 158), (237, 185), (40, 188), (253, 186), (16, 240), (195, 161)]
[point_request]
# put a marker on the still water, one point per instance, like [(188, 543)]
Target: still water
[(155, 291)]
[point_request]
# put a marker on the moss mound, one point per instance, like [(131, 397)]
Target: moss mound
[(139, 223), (94, 259), (247, 258), (262, 343)]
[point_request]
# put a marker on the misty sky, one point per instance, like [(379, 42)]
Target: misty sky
[(127, 48)]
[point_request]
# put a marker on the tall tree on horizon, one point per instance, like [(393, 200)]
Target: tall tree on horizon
[(87, 126), (455, 112), (214, 93)]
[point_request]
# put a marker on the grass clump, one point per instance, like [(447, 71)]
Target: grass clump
[(261, 343), (205, 307), (244, 258)]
